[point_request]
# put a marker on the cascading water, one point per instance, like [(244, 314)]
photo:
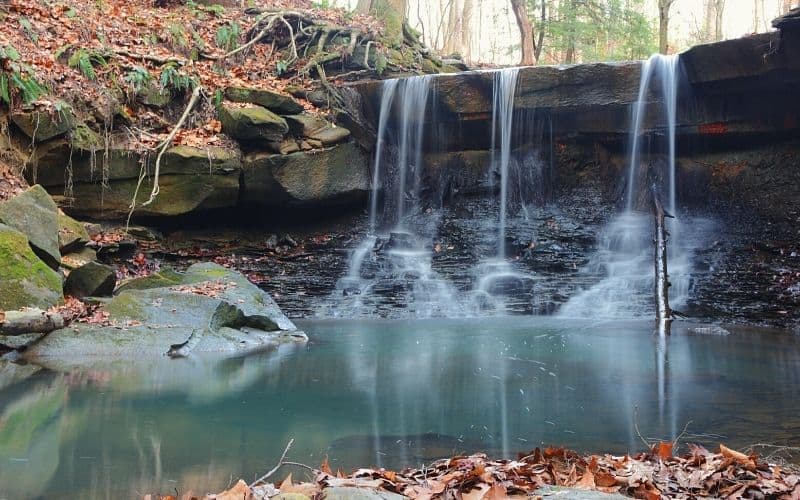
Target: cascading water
[(624, 258), (495, 277), (397, 249), (394, 263)]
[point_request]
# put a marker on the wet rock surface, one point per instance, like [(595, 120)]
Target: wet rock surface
[(212, 309)]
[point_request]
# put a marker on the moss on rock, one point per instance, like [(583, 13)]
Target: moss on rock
[(25, 281)]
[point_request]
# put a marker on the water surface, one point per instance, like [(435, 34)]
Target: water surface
[(392, 393)]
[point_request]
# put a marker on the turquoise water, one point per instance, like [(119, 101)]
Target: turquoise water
[(391, 394)]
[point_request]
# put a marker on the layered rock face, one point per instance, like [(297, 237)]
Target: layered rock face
[(277, 155), (736, 96)]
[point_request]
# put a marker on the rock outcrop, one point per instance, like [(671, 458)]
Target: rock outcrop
[(210, 309)]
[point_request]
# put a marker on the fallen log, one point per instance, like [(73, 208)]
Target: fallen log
[(662, 284), (29, 321)]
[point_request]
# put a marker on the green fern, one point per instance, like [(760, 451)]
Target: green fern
[(16, 77), (171, 78), (5, 91), (138, 78), (27, 27), (227, 37), (86, 62)]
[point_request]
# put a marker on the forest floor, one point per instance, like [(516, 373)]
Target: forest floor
[(699, 473)]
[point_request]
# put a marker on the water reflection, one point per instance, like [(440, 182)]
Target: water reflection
[(391, 394)]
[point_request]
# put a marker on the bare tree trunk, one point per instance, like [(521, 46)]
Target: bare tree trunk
[(663, 25), (756, 22), (540, 42), (525, 26), (786, 6), (569, 58), (709, 20), (719, 7), (453, 29), (391, 12), (466, 30), (663, 311)]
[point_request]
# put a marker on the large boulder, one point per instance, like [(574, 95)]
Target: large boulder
[(72, 236), (25, 281), (213, 309), (251, 122), (314, 127), (278, 103), (41, 125), (35, 214), (332, 175), (91, 280)]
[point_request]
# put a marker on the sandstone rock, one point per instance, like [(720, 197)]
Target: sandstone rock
[(273, 101), (232, 317), (179, 194), (72, 236), (252, 123), (78, 258), (353, 493), (34, 213), (25, 281), (91, 280), (331, 175), (41, 125), (318, 129)]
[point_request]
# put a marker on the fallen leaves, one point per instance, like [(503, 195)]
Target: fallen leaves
[(653, 475)]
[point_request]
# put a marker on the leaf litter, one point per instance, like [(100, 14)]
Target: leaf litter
[(653, 475)]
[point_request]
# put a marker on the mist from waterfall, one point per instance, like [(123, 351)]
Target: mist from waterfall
[(624, 257)]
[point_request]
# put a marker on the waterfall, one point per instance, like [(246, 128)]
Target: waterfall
[(624, 259), (503, 90)]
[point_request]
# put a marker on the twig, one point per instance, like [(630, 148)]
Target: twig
[(678, 438), (636, 427), (194, 99), (278, 466)]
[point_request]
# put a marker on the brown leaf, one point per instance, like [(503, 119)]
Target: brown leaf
[(587, 481), (737, 456), (665, 450), (325, 467), (240, 491), (605, 479), (287, 483)]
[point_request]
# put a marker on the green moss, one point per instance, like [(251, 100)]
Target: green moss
[(26, 280), (126, 305), (82, 137)]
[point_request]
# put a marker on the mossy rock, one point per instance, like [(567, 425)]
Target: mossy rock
[(316, 128), (91, 280), (25, 281), (161, 279), (179, 194), (252, 123), (72, 236), (155, 96), (40, 125), (239, 317), (273, 101), (34, 213), (339, 174)]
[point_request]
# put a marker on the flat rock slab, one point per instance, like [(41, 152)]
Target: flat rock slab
[(352, 493), (558, 492), (208, 309), (278, 103)]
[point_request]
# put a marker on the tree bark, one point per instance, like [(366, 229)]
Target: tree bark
[(466, 30), (29, 321), (391, 12), (663, 25), (525, 26), (662, 284)]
